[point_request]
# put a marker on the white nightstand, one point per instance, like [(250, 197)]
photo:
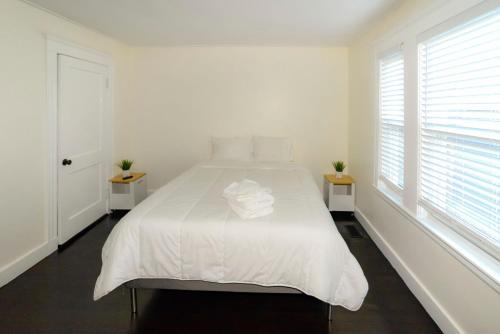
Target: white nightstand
[(339, 193), (125, 194)]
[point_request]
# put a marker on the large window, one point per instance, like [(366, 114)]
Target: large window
[(391, 118), (438, 157), (459, 105)]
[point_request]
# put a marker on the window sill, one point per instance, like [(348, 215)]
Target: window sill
[(482, 264)]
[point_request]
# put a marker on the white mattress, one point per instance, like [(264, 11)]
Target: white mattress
[(186, 231)]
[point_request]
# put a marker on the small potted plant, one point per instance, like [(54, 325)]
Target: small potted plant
[(339, 168), (125, 166)]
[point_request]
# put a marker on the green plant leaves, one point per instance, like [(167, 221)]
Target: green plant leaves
[(125, 164), (339, 165)]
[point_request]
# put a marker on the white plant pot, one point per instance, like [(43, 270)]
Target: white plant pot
[(339, 175), (125, 173)]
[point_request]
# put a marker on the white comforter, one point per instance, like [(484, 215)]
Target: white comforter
[(187, 231)]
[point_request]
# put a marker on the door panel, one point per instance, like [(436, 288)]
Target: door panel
[(89, 193), (82, 95)]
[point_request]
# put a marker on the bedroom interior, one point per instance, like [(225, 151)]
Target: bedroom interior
[(244, 166)]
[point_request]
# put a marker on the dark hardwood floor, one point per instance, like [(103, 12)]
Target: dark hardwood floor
[(55, 296)]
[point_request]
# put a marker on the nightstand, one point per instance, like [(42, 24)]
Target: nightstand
[(339, 192), (125, 194)]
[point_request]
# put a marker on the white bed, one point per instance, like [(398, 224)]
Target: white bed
[(186, 231)]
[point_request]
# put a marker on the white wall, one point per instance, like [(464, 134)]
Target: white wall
[(457, 299), (23, 122), (182, 96)]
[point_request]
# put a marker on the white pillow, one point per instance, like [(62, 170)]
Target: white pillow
[(272, 149), (234, 149)]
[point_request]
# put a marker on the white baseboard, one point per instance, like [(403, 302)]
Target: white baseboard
[(431, 305), (28, 260)]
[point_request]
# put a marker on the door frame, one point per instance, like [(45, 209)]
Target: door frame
[(55, 47)]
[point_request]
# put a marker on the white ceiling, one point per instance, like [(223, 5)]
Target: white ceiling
[(223, 22)]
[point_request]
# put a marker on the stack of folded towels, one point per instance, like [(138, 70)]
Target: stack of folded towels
[(249, 199)]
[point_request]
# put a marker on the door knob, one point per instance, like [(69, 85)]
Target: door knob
[(66, 162)]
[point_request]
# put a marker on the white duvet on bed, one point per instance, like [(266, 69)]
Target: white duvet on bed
[(187, 231)]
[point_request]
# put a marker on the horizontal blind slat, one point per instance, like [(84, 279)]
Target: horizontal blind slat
[(461, 183), (433, 188)]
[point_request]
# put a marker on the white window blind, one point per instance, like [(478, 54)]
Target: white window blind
[(459, 96), (391, 116)]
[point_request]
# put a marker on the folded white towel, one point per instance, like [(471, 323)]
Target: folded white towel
[(255, 203), (245, 188), (248, 199), (250, 214)]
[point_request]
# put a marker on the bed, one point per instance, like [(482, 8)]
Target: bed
[(185, 236)]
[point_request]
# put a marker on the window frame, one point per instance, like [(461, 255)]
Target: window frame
[(424, 208), (379, 178), (435, 19)]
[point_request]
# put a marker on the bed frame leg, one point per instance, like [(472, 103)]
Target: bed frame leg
[(330, 313), (133, 300)]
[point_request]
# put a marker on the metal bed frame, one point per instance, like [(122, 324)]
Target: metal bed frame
[(172, 284)]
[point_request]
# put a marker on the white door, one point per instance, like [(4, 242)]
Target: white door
[(82, 151)]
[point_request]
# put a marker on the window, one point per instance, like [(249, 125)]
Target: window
[(391, 116), (459, 104)]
